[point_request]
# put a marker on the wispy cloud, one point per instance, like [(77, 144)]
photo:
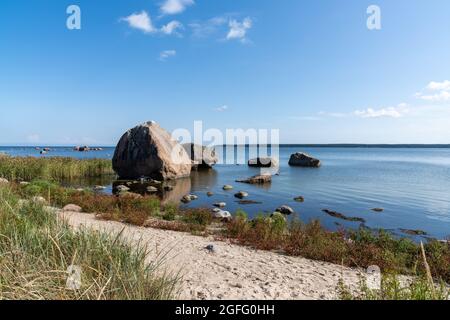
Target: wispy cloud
[(166, 54), (390, 112), (222, 108), (140, 21), (436, 92), (172, 27), (207, 28), (175, 6), (238, 30)]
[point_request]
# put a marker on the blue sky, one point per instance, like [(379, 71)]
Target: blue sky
[(309, 68)]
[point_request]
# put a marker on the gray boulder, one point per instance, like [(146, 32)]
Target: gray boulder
[(148, 150), (202, 157), (300, 159)]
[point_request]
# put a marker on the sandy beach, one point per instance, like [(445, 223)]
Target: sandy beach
[(231, 271)]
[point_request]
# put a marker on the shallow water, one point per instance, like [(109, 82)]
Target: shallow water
[(411, 184)]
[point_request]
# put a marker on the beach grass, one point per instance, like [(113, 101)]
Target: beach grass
[(353, 248), (394, 289), (52, 168), (37, 250)]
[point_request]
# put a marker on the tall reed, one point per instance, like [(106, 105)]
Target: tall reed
[(52, 168)]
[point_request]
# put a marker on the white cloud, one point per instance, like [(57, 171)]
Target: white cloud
[(434, 86), (175, 6), (438, 97), (390, 112), (436, 92), (164, 55), (140, 21), (238, 30), (171, 27), (222, 108)]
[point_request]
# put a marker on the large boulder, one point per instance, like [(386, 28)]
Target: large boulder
[(149, 151), (300, 159), (202, 157)]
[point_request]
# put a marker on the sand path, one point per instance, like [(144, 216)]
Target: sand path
[(232, 271)]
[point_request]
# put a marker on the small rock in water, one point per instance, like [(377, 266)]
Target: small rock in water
[(378, 209), (227, 187), (209, 194), (285, 210), (152, 189), (221, 214), (188, 198), (220, 204), (99, 188), (299, 199), (241, 195), (122, 188)]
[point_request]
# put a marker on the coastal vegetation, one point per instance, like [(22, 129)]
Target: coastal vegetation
[(52, 168), (38, 251), (353, 248)]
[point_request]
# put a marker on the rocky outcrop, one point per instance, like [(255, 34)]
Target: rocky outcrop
[(266, 162), (300, 159), (148, 150), (260, 179), (202, 157)]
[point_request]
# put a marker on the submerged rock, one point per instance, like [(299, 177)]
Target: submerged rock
[(342, 216), (299, 199), (300, 159), (259, 179), (246, 202), (414, 232), (202, 157), (148, 150), (378, 209)]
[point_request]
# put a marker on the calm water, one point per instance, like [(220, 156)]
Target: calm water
[(411, 184)]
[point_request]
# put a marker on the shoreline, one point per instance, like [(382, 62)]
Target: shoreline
[(233, 272)]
